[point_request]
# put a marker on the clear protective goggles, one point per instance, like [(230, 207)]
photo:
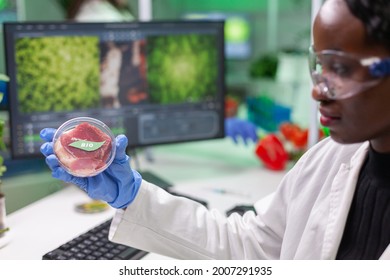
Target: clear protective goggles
[(339, 75)]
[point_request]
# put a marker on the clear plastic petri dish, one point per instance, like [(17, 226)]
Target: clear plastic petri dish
[(84, 146)]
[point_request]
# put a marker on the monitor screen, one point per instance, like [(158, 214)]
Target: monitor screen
[(156, 82)]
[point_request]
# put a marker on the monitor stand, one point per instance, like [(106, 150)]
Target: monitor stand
[(148, 175), (155, 179), (158, 181)]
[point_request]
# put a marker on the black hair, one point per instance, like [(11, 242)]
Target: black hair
[(375, 16)]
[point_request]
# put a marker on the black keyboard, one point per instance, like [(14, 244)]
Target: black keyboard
[(94, 245)]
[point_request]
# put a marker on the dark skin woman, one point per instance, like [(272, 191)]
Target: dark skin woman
[(365, 116)]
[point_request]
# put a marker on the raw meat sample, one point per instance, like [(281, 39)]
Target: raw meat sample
[(78, 161)]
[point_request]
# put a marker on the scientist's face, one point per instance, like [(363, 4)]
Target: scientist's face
[(363, 116)]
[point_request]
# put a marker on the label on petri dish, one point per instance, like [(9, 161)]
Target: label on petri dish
[(88, 146)]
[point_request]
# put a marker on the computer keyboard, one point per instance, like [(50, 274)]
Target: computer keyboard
[(94, 245)]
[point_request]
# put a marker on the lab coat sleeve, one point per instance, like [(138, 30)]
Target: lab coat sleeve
[(298, 221), (177, 227)]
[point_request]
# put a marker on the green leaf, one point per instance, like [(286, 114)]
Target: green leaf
[(88, 146)]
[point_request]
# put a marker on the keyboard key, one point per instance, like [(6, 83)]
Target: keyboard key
[(128, 253)]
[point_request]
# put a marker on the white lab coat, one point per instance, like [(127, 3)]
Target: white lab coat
[(304, 219)]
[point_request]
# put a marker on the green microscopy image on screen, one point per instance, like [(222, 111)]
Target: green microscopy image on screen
[(181, 68), (57, 73)]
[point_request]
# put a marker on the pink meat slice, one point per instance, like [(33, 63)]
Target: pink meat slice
[(77, 160)]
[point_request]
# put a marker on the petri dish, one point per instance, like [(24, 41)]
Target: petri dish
[(84, 146)]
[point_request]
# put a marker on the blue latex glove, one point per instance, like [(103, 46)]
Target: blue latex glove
[(237, 128), (117, 185)]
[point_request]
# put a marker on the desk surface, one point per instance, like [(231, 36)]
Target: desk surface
[(47, 223)]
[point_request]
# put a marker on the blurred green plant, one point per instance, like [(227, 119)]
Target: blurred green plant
[(57, 73), (265, 66), (3, 168), (3, 79), (65, 4)]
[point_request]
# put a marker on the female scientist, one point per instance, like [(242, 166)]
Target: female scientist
[(333, 204)]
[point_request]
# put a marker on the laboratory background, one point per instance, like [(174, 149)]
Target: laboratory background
[(262, 78)]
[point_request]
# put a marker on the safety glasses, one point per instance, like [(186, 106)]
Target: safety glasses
[(339, 75)]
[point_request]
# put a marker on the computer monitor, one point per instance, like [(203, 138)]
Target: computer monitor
[(157, 82)]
